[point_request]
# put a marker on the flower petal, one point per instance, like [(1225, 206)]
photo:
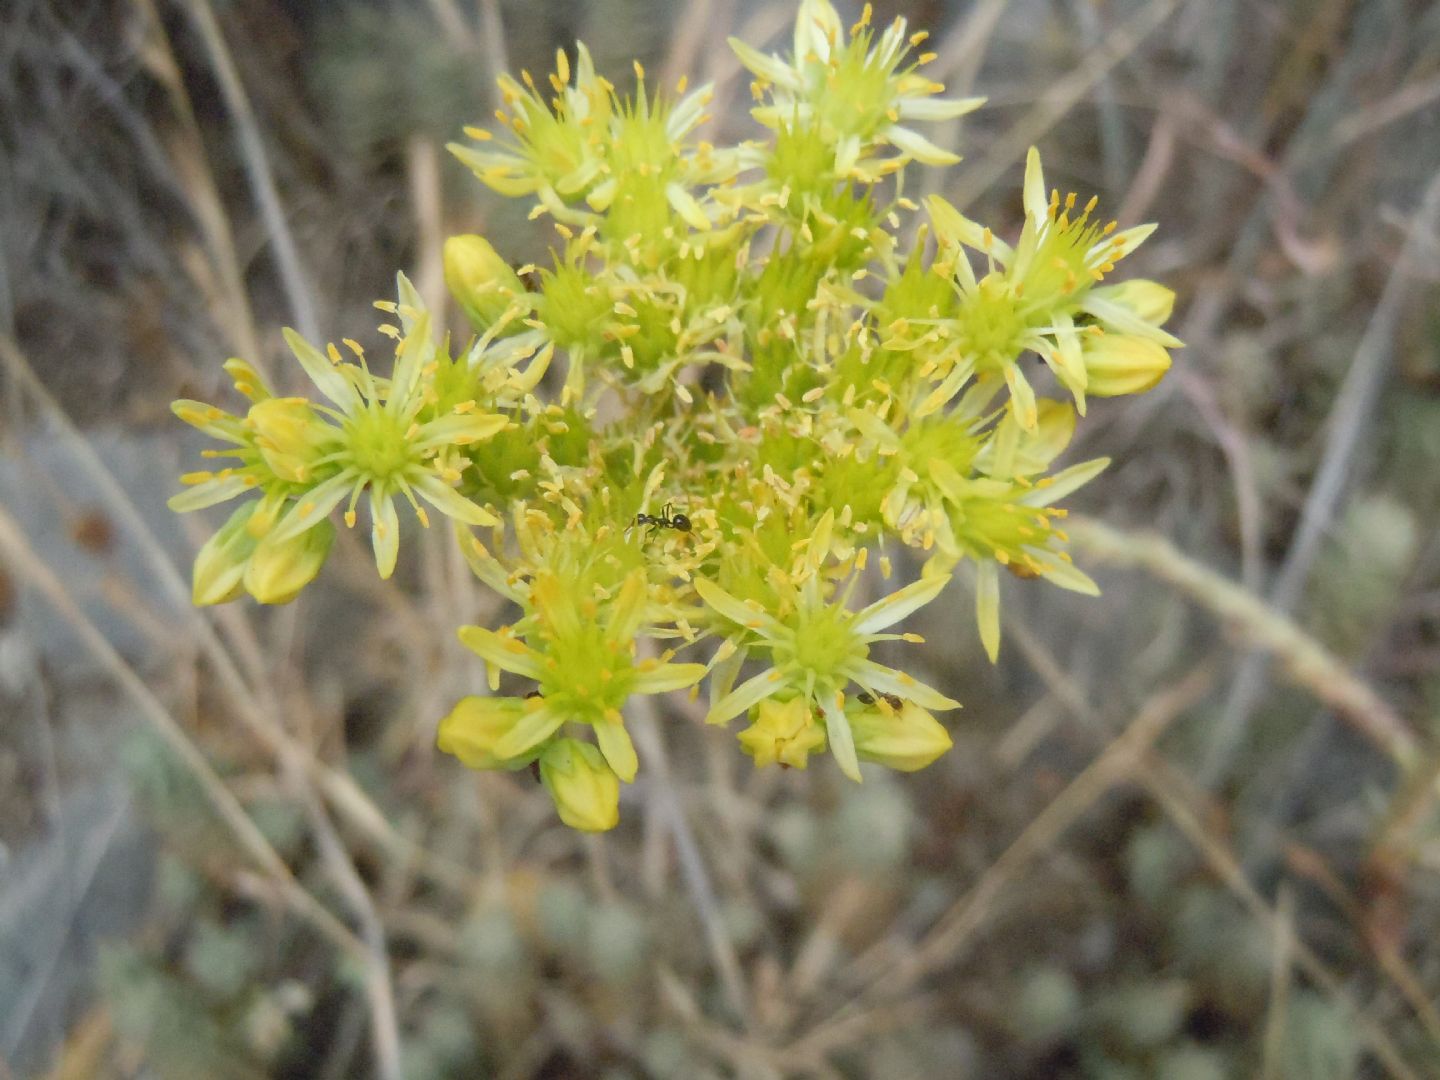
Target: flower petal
[(917, 146), (1055, 488), (209, 493), (1022, 397), (1120, 317), (1065, 574), (215, 422), (842, 740), (735, 610), (450, 502), (743, 696), (768, 68), (931, 108), (668, 677), (987, 607), (322, 372), (619, 751), (501, 651), (314, 506), (1126, 241), (688, 208), (886, 680), (1037, 206), (532, 729), (384, 531), (898, 605)]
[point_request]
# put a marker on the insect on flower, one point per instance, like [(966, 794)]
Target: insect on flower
[(869, 699), (664, 520)]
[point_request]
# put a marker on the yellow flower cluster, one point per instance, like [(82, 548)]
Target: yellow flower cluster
[(726, 401)]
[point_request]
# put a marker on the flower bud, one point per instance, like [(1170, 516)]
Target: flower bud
[(1124, 364), (906, 739), (277, 571), (783, 732), (1147, 300), (479, 279), (290, 436), (475, 725), (219, 571), (585, 789)]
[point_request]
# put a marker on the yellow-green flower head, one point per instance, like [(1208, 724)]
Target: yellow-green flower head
[(1011, 523), (906, 738), (581, 651), (384, 436), (550, 150), (1040, 297), (585, 789), (587, 143), (859, 92), (784, 733), (817, 644)]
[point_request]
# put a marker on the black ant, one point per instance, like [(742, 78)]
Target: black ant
[(534, 765), (889, 699), (678, 522)]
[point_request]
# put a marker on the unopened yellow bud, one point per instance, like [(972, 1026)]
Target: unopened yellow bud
[(1148, 300), (784, 732), (277, 572), (1123, 364), (290, 436), (475, 725), (906, 739), (585, 789), (219, 572), (479, 279)]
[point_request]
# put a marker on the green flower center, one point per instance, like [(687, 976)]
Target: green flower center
[(990, 327), (377, 443), (823, 642)]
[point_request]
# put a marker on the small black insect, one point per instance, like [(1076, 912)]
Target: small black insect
[(869, 699), (664, 520)]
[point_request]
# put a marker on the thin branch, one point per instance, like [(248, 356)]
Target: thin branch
[(340, 789), (1305, 660), (1352, 416), (1064, 94), (645, 728), (257, 168), (946, 940), (32, 570)]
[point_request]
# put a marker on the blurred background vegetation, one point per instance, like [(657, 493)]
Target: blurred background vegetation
[(1189, 830)]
